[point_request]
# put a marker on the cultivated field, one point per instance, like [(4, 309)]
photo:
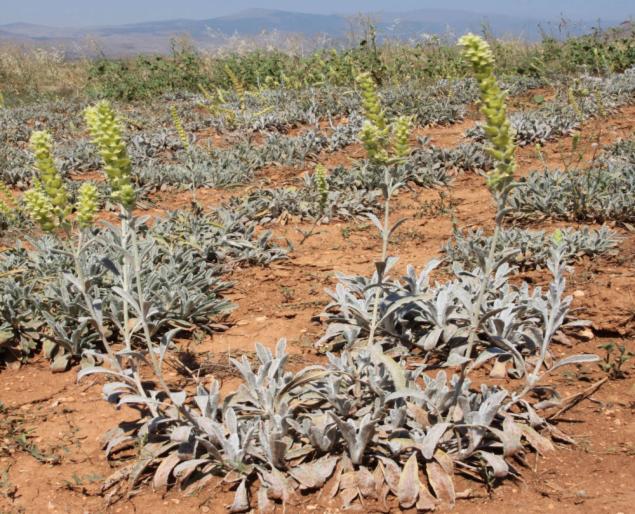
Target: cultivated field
[(400, 279)]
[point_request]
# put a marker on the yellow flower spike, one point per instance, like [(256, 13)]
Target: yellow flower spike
[(370, 101), (87, 204), (50, 180), (180, 130), (105, 131), (39, 206), (401, 135), (497, 127), (322, 185), (374, 143)]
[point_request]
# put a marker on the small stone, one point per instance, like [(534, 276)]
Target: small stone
[(587, 334), (578, 293)]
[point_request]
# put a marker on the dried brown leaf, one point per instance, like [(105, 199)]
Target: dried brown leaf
[(313, 475), (409, 484), (441, 483), (539, 443), (366, 483), (162, 474)]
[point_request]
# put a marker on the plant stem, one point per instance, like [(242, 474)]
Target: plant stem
[(475, 321), (380, 277)]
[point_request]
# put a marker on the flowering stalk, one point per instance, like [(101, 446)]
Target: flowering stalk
[(401, 134), (493, 106), (178, 126), (39, 206), (375, 131), (500, 180), (105, 131), (47, 202), (383, 150), (322, 187), (87, 205)]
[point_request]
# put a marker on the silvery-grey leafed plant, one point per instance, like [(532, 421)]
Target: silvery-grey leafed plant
[(533, 247)]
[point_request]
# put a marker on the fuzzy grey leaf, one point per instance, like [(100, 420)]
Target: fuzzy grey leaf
[(241, 499)]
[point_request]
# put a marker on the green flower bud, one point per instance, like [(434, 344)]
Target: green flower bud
[(557, 237), (105, 130), (87, 204), (493, 106)]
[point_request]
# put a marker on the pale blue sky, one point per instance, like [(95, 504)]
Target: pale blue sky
[(103, 12)]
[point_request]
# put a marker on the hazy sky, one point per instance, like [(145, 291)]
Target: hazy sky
[(103, 12)]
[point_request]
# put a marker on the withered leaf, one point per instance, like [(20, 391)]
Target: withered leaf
[(347, 496), (497, 463), (392, 472), (420, 415), (366, 483), (409, 484), (162, 474), (447, 463), (441, 483), (539, 443), (264, 504), (313, 475), (426, 501), (511, 437)]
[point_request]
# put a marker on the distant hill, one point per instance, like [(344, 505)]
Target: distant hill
[(216, 32)]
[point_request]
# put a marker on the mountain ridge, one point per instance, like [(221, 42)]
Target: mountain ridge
[(154, 36)]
